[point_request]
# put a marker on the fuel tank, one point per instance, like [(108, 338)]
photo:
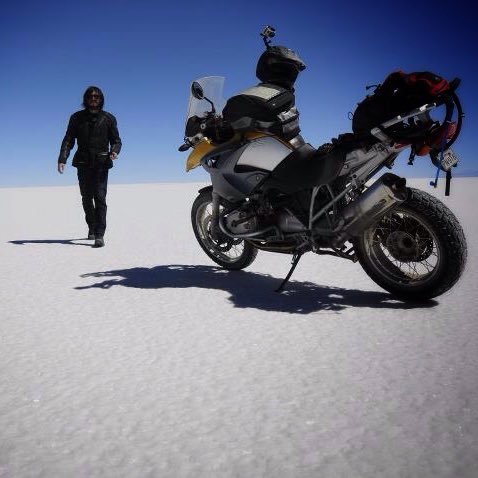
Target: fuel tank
[(236, 171)]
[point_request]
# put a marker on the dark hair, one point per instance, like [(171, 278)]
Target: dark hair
[(88, 92)]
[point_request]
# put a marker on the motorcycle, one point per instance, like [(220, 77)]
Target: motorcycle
[(274, 195)]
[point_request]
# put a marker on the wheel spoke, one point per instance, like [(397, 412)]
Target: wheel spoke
[(417, 251), (403, 247), (226, 249)]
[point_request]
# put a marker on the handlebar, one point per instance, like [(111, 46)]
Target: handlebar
[(184, 147)]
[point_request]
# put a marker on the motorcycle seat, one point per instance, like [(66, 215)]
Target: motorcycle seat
[(350, 141), (344, 143), (305, 151), (307, 167)]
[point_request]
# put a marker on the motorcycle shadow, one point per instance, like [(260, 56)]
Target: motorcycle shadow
[(251, 289), (70, 242)]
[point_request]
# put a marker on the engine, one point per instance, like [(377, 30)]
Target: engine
[(255, 219), (242, 221)]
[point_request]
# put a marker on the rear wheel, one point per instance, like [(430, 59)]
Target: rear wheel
[(417, 251), (229, 253)]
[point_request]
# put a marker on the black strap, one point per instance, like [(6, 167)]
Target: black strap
[(447, 183)]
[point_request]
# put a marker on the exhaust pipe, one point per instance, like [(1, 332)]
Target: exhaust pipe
[(385, 193)]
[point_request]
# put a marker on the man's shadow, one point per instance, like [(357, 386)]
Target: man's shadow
[(70, 242), (250, 289)]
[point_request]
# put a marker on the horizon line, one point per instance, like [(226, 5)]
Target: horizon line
[(113, 183)]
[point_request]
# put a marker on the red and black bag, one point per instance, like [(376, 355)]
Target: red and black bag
[(398, 94)]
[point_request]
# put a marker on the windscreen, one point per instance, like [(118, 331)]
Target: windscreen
[(213, 87)]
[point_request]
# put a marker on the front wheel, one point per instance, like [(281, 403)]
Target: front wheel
[(230, 253), (417, 251)]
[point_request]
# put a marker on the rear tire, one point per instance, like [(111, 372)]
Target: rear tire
[(229, 253), (417, 251)]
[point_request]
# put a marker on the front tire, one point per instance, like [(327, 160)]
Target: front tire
[(417, 251), (229, 253)]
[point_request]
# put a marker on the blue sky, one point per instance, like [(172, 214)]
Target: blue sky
[(144, 55)]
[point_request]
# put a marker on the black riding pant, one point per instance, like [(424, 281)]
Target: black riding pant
[(93, 186)]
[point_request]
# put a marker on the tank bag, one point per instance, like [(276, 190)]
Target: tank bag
[(264, 107)]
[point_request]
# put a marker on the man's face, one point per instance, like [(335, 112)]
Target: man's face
[(93, 100)]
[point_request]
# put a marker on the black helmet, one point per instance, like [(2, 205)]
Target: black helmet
[(279, 65)]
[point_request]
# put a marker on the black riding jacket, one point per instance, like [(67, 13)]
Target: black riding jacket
[(97, 136)]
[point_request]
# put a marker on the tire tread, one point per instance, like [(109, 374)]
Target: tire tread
[(449, 231)]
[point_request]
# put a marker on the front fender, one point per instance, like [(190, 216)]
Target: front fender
[(204, 189)]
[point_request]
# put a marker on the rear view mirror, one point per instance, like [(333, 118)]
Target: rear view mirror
[(197, 91)]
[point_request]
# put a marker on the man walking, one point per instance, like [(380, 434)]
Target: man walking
[(96, 133)]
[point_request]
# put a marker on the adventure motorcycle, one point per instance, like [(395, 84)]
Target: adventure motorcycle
[(282, 196)]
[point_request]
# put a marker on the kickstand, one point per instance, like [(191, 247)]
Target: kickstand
[(295, 261)]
